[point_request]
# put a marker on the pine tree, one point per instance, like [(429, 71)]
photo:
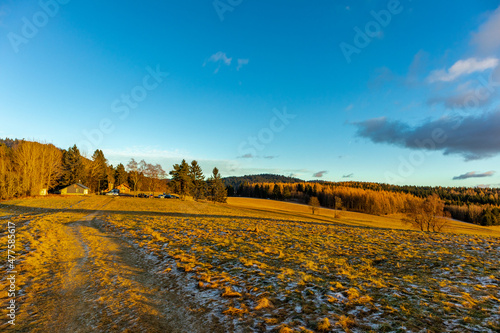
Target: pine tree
[(98, 173), (73, 169), (197, 180), (216, 187), (277, 192), (181, 181), (121, 175)]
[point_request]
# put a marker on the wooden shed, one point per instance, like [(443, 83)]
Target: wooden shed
[(75, 189)]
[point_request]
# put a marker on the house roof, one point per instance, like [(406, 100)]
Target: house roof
[(78, 184), (123, 184)]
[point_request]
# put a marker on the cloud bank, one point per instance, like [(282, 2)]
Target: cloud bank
[(473, 137), (487, 38)]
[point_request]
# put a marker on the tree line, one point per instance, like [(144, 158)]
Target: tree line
[(425, 214), (353, 199), (450, 195), (188, 180), (27, 167), (475, 205)]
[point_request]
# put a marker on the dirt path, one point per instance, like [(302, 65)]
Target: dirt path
[(102, 284)]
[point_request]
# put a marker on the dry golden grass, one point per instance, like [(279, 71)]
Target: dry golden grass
[(73, 278), (271, 265), (351, 218)]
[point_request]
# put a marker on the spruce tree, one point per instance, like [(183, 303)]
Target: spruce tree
[(121, 175), (181, 181), (73, 169), (216, 187), (98, 173), (197, 180)]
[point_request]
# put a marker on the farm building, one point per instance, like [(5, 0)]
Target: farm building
[(124, 188), (75, 189)]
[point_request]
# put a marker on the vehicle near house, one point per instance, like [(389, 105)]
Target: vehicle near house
[(114, 192)]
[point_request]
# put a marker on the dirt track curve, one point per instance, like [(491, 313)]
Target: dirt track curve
[(100, 283)]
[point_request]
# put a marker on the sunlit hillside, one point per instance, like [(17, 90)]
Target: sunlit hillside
[(350, 218), (117, 264)]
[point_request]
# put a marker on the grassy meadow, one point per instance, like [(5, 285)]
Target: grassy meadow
[(260, 265)]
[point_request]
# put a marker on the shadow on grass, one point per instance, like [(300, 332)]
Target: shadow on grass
[(321, 220)]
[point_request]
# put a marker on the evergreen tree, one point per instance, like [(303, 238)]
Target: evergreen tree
[(121, 175), (98, 173), (216, 187), (277, 192), (197, 180), (488, 218), (73, 169), (181, 180)]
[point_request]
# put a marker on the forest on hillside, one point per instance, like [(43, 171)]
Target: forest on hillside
[(27, 168), (450, 195), (235, 182), (380, 199)]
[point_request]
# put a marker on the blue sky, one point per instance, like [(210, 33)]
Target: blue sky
[(402, 92)]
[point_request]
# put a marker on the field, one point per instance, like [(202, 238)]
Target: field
[(352, 218), (150, 265)]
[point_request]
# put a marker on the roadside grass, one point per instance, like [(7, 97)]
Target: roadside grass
[(282, 269)]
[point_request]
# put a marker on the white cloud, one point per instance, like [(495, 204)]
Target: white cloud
[(487, 39), (241, 62), (349, 107), (219, 58), (463, 67)]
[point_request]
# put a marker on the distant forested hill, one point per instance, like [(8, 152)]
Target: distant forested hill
[(480, 205), (262, 178)]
